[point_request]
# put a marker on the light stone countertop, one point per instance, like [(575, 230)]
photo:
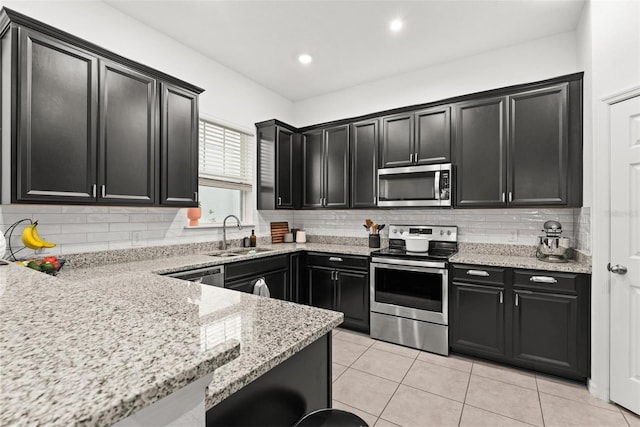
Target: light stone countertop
[(94, 345), (514, 261)]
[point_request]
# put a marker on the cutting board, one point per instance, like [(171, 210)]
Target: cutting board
[(278, 230)]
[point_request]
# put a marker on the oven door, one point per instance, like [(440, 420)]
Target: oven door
[(410, 291)]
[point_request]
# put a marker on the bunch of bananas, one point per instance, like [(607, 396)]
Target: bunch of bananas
[(32, 239)]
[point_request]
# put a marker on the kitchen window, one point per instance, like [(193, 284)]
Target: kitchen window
[(225, 171)]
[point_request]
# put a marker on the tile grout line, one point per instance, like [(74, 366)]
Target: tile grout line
[(464, 400), (540, 402), (397, 387), (501, 415)]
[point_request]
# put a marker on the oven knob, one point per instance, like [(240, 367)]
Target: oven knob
[(401, 231), (448, 232), (441, 232)]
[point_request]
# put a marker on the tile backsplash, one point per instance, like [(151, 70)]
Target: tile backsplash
[(77, 229)]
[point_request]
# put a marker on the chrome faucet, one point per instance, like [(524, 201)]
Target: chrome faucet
[(224, 229)]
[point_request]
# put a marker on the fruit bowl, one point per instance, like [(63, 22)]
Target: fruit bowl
[(49, 265)]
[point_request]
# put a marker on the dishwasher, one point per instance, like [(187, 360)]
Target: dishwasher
[(212, 276)]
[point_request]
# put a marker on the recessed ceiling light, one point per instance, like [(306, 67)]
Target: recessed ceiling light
[(305, 58), (396, 25)]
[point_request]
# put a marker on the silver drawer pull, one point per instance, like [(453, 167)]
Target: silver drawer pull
[(543, 279), (477, 273), (335, 258)]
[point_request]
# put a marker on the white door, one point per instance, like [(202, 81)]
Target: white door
[(625, 253)]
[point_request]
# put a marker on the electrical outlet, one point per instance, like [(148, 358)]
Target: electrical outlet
[(136, 238), (513, 236)]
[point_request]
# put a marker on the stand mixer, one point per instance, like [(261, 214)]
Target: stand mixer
[(552, 247)]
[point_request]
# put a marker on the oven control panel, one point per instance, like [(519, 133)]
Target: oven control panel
[(447, 233)]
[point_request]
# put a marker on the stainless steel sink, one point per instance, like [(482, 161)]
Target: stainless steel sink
[(240, 251)]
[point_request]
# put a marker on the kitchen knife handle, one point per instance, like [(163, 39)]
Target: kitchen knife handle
[(481, 273)]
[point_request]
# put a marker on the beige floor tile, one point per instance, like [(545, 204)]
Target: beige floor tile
[(383, 364), (335, 332), (412, 407), (632, 419), (368, 418), (356, 338), (363, 391), (506, 374), (475, 417), (396, 349), (336, 371), (505, 399), (385, 423), (453, 362), (564, 412), (346, 352), (438, 380), (573, 391)]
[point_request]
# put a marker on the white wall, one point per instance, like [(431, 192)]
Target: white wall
[(527, 62), (229, 97)]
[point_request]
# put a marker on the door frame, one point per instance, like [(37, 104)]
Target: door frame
[(599, 383)]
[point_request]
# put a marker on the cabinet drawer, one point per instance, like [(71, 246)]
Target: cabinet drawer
[(478, 274), (546, 280), (337, 261), (255, 267)]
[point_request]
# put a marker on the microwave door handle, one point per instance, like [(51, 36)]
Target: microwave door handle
[(436, 185)]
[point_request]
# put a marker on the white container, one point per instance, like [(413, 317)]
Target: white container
[(416, 243), (288, 238), (301, 236)]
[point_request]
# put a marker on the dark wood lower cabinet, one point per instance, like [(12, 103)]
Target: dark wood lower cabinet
[(353, 299), (321, 287), (477, 320), (242, 276), (538, 320)]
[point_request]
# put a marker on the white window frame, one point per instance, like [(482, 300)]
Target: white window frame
[(246, 188)]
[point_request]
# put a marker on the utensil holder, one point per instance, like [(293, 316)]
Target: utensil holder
[(374, 240)]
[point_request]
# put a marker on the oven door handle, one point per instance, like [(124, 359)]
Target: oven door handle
[(436, 185), (407, 267)]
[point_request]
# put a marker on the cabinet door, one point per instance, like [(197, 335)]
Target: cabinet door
[(433, 136), (397, 140), (545, 330), (58, 110), (321, 287), (480, 147), (266, 162), (128, 145), (364, 164), (538, 147), (179, 147), (278, 284), (284, 168), (337, 167), (313, 169), (353, 299), (296, 293), (477, 319)]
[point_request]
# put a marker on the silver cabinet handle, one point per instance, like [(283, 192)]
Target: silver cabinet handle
[(477, 273), (335, 259), (279, 200), (503, 197), (103, 191), (93, 190), (415, 157), (517, 299), (617, 269), (321, 201), (501, 297), (543, 279), (510, 197), (411, 158), (195, 196)]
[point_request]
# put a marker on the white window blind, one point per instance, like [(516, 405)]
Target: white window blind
[(224, 157)]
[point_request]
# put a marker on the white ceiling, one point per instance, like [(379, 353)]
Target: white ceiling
[(350, 41)]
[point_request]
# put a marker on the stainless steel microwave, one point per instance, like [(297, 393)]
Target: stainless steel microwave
[(428, 185)]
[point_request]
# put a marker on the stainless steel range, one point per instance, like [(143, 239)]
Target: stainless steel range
[(409, 304)]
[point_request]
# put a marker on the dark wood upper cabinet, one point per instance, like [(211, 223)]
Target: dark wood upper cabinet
[(179, 146), (128, 138), (313, 169), (88, 126), (336, 193), (278, 166), (481, 150), (433, 136), (538, 147), (397, 140), (56, 123), (325, 154), (364, 164), (416, 138)]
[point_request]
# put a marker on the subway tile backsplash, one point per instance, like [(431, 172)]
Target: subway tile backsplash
[(77, 229)]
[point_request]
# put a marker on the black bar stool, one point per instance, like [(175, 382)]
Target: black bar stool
[(331, 418)]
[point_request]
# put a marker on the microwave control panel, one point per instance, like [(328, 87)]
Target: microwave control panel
[(445, 185)]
